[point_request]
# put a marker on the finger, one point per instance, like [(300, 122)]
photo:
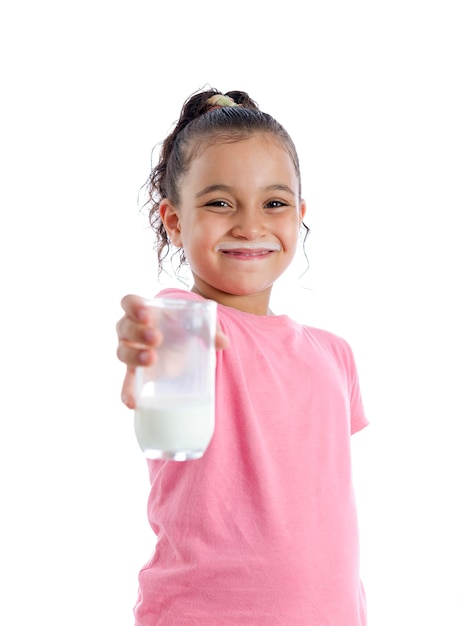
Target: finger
[(135, 308), (134, 332), (133, 354)]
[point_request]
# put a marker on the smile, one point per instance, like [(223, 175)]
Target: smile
[(248, 254), (250, 250)]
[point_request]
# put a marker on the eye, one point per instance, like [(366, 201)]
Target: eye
[(276, 204), (219, 203)]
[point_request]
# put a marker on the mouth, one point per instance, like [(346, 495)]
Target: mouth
[(240, 250)]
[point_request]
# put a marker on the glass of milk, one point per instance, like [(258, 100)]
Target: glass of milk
[(174, 414)]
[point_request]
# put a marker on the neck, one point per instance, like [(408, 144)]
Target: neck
[(258, 304)]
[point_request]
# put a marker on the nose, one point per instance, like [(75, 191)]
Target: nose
[(250, 224)]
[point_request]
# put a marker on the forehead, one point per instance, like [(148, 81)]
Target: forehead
[(242, 153)]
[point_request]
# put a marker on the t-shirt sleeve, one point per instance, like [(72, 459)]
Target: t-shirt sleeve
[(358, 416)]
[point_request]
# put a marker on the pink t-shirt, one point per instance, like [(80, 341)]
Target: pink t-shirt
[(262, 530)]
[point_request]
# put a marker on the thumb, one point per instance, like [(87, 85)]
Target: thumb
[(127, 391), (222, 341)]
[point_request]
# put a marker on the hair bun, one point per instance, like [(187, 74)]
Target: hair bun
[(218, 101)]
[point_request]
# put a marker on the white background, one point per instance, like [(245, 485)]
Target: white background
[(372, 93)]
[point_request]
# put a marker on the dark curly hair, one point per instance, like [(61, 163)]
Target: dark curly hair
[(199, 124)]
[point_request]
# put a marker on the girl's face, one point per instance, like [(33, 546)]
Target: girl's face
[(238, 220)]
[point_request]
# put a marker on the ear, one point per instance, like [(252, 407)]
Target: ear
[(170, 218), (302, 210)]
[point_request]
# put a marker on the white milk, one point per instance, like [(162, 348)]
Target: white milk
[(177, 428)]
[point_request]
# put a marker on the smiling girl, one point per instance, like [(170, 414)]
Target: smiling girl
[(262, 529)]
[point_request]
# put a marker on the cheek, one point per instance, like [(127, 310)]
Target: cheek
[(290, 233), (198, 241)]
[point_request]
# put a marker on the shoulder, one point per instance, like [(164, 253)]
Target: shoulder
[(325, 337), (331, 343)]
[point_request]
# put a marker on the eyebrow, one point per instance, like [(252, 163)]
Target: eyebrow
[(219, 187)]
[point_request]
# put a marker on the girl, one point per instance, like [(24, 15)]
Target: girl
[(262, 529)]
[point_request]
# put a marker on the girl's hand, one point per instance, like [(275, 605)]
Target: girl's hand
[(138, 339)]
